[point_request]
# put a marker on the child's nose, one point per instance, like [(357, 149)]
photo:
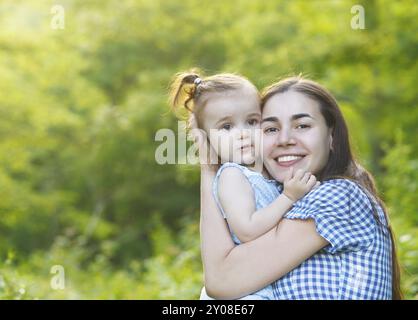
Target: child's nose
[(244, 133)]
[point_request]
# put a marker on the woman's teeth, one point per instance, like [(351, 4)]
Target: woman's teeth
[(288, 158)]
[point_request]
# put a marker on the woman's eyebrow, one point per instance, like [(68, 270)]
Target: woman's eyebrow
[(292, 118), (271, 119), (301, 115)]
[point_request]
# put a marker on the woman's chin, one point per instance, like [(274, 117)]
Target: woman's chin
[(279, 172)]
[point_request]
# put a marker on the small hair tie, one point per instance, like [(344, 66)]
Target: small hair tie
[(197, 81)]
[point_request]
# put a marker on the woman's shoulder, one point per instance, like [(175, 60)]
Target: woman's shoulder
[(342, 213), (338, 187), (340, 194), (339, 183)]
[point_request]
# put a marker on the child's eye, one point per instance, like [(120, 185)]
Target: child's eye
[(253, 122), (226, 126)]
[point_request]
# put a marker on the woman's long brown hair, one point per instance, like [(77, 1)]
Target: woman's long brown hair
[(341, 162)]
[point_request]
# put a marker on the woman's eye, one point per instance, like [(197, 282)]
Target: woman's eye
[(253, 122), (270, 130), (303, 126)]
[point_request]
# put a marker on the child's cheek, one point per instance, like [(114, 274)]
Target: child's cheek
[(218, 144)]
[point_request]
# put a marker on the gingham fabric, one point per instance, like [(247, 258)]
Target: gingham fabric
[(357, 262), (265, 191)]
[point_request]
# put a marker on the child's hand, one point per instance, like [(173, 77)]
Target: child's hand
[(298, 184)]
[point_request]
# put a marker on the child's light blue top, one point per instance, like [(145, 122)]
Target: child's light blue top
[(265, 191)]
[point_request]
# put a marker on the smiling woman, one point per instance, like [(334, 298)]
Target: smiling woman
[(334, 243), (297, 126)]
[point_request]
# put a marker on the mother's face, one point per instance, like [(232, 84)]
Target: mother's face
[(294, 135)]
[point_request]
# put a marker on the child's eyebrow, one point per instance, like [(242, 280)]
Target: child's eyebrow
[(223, 119), (253, 114)]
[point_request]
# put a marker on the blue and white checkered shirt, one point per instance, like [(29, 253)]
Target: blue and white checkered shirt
[(357, 262)]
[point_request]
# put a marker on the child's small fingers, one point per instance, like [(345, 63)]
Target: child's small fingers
[(289, 174), (312, 181), (299, 174), (306, 177)]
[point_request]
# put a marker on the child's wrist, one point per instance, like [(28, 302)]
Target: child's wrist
[(289, 198)]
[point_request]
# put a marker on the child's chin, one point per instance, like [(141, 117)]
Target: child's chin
[(245, 159), (248, 160)]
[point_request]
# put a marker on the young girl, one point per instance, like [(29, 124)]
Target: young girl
[(227, 108)]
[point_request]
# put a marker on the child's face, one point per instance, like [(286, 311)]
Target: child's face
[(232, 122)]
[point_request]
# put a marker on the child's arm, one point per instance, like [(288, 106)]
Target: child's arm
[(237, 199)]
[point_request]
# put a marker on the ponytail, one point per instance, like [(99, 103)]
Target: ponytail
[(183, 89)]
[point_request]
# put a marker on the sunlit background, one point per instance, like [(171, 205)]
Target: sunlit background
[(82, 98)]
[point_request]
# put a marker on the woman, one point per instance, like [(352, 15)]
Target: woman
[(336, 242)]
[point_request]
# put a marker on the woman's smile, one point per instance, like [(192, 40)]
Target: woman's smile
[(288, 160)]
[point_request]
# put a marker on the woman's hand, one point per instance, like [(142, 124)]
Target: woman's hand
[(208, 157)]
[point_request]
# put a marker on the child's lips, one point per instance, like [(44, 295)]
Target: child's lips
[(246, 147)]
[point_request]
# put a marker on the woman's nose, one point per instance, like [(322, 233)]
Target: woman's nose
[(285, 137)]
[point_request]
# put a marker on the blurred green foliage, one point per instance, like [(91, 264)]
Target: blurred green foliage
[(80, 107)]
